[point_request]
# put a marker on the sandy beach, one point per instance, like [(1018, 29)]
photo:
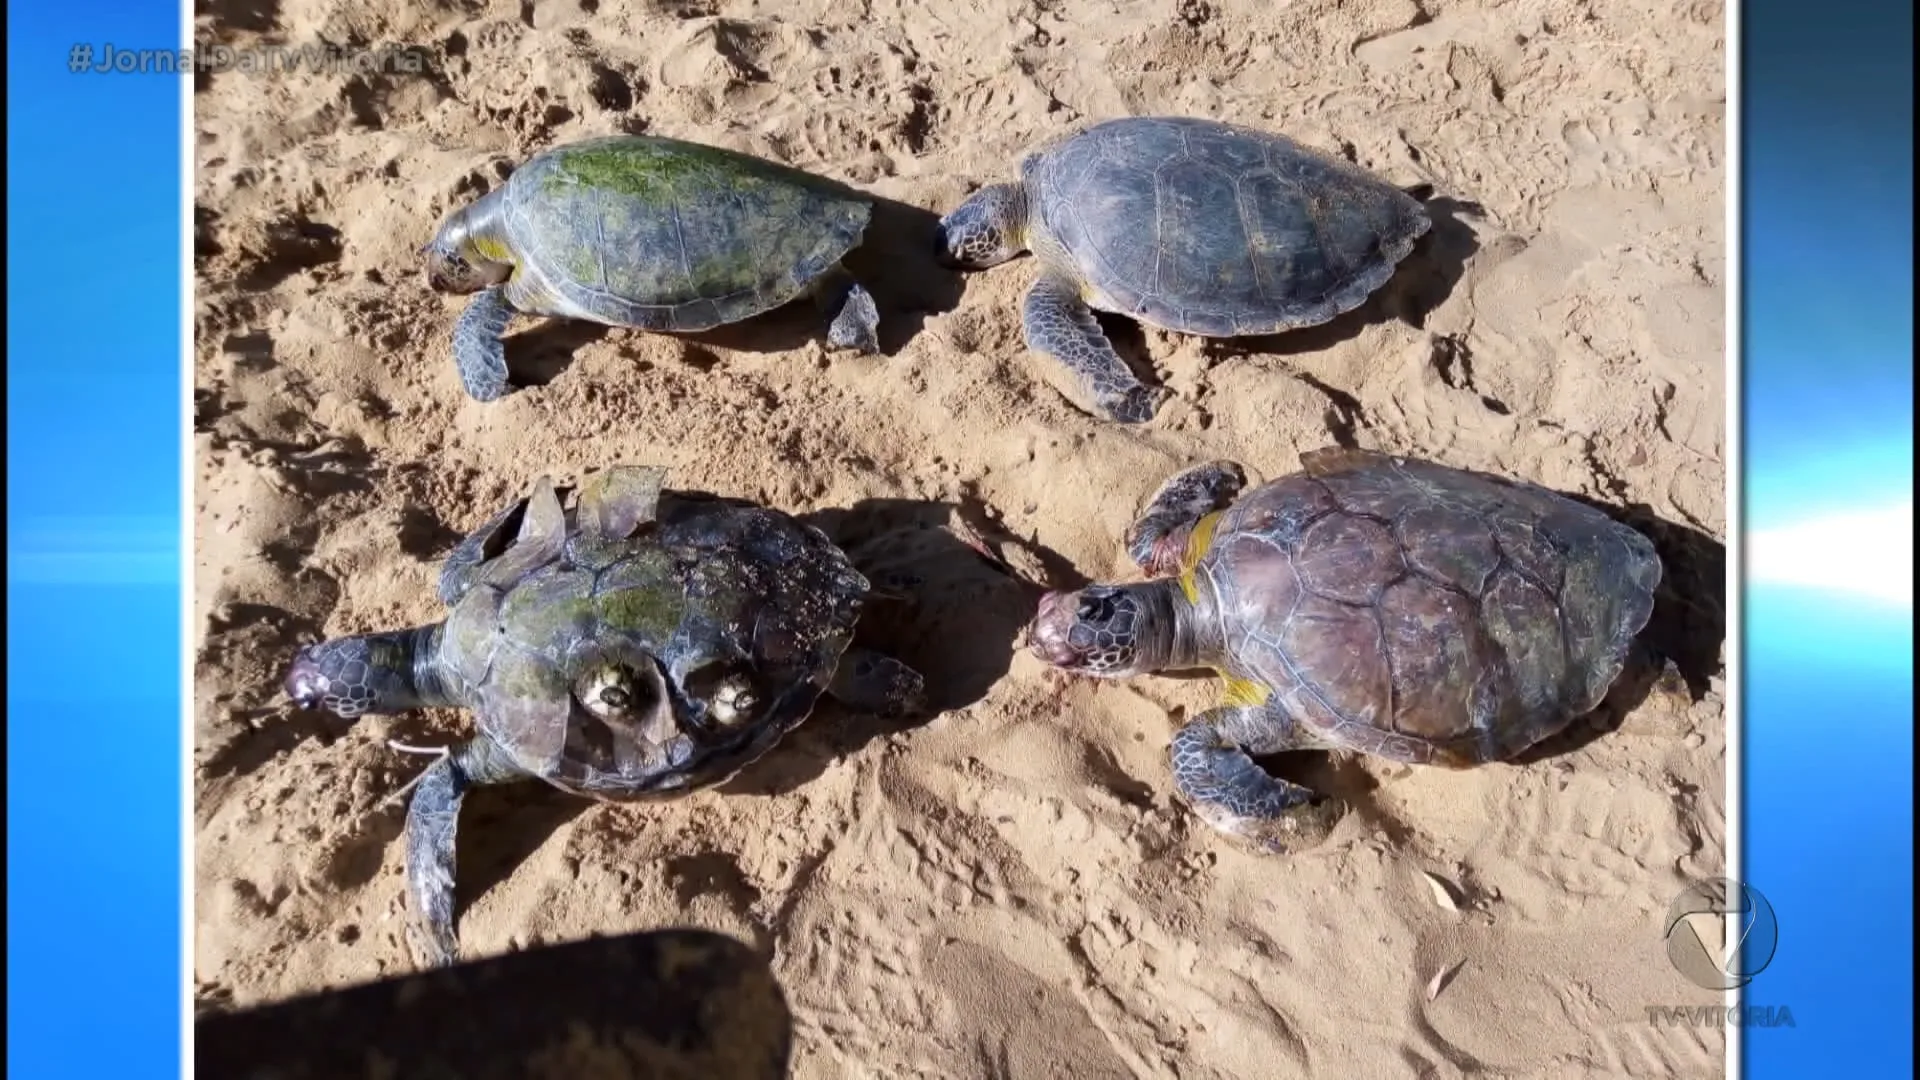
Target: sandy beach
[(1010, 889)]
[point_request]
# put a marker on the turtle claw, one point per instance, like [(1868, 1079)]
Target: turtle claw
[(1138, 405), (1299, 829), (432, 946)]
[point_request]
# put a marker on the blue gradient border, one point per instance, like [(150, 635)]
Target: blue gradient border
[(94, 439), (1828, 688), (94, 494)]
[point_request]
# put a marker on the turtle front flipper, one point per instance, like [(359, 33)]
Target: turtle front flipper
[(1061, 325), (1235, 795), (433, 817), (1157, 542), (877, 683), (478, 350)]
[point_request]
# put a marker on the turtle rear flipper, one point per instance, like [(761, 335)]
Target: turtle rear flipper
[(874, 682), (855, 315), (1058, 323)]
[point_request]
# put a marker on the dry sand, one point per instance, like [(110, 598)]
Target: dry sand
[(1011, 889)]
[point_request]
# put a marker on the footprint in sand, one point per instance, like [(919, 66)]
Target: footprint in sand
[(1601, 845), (1565, 1003)]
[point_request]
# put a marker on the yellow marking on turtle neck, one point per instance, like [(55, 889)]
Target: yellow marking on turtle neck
[(1242, 691), (491, 250), (1198, 541)]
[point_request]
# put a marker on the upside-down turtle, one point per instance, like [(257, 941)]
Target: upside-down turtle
[(639, 645)]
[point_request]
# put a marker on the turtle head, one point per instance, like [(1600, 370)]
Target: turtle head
[(986, 230), (465, 256), (368, 673), (1106, 631)]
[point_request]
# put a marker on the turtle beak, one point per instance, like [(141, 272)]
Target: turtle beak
[(1047, 634), (304, 684), (942, 253)]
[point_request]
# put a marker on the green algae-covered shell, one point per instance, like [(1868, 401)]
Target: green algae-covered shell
[(669, 235), (711, 593)]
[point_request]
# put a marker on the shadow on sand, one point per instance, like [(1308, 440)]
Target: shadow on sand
[(947, 605), (678, 1002)]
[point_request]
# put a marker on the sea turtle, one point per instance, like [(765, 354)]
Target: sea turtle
[(648, 232), (1369, 603), (640, 645), (679, 1004), (1189, 225)]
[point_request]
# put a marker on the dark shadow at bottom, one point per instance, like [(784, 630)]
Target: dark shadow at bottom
[(663, 1003)]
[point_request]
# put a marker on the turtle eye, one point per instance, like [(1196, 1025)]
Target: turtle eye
[(728, 689), (733, 702), (611, 693)]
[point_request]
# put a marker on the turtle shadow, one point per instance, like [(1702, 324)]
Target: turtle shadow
[(947, 608), (501, 826), (675, 1001), (543, 352), (1343, 776), (1422, 282), (1680, 650), (895, 261)]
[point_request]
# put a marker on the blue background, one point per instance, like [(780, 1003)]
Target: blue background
[(94, 737), (93, 508), (1828, 259)]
